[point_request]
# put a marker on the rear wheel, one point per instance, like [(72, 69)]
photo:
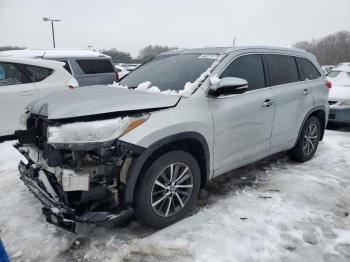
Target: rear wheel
[(168, 190), (307, 143)]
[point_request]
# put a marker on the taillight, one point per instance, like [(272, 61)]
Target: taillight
[(328, 84), (70, 87), (116, 77)]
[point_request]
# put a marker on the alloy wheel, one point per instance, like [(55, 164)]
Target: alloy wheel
[(310, 139), (172, 189)]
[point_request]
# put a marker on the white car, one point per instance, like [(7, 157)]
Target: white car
[(121, 71), (339, 96), (23, 80)]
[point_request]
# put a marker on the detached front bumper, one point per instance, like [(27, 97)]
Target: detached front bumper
[(55, 211), (339, 114)]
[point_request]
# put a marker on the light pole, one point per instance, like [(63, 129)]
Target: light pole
[(45, 19)]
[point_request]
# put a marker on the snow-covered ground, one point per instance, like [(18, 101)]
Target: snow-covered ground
[(274, 210)]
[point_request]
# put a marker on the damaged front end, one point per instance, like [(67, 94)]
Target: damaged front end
[(78, 174)]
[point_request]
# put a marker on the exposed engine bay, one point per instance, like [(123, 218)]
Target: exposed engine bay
[(75, 183)]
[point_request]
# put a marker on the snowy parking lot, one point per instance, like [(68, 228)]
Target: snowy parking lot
[(273, 210)]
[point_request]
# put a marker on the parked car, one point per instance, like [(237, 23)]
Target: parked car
[(339, 96), (150, 152), (88, 67), (128, 66), (327, 68), (24, 80), (121, 71), (343, 64)]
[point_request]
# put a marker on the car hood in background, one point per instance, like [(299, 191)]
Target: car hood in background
[(99, 99), (339, 93)]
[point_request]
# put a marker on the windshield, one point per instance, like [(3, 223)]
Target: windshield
[(170, 72), (333, 74)]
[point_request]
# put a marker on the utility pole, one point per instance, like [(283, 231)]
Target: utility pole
[(45, 19), (234, 41)]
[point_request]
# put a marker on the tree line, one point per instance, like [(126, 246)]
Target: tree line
[(147, 53), (329, 50)]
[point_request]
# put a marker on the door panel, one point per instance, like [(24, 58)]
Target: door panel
[(15, 93), (242, 128), (293, 101), (13, 99)]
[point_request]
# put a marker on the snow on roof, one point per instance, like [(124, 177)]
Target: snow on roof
[(222, 50), (32, 61), (51, 53)]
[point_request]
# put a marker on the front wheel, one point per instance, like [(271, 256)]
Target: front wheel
[(168, 190), (307, 143)]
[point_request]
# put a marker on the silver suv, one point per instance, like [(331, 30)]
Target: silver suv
[(149, 144)]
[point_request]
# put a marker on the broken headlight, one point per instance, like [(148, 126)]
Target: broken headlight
[(93, 131)]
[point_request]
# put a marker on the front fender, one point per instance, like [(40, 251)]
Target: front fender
[(137, 165)]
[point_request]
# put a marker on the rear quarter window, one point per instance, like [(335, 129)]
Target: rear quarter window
[(38, 73), (282, 69), (307, 70), (98, 66), (67, 67)]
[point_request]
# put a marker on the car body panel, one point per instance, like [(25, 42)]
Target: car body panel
[(97, 100)]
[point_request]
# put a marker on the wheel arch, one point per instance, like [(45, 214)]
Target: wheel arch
[(320, 113), (191, 142)]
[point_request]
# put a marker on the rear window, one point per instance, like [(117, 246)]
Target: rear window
[(91, 66), (307, 69), (38, 73), (282, 69)]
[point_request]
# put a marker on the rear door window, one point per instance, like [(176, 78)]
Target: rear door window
[(307, 69), (11, 75), (248, 67), (282, 69), (38, 73), (95, 66)]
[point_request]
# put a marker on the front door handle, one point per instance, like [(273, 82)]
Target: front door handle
[(27, 93), (306, 91), (267, 103)]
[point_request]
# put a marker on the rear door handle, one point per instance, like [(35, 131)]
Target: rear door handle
[(306, 91), (267, 103), (27, 93)]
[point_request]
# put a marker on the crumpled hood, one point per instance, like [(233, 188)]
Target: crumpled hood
[(99, 99)]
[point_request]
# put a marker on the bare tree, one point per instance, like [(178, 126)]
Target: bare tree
[(329, 50), (9, 47), (150, 51), (118, 56)]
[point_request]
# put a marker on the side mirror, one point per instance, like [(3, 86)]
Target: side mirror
[(228, 86)]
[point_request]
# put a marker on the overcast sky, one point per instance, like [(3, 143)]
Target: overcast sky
[(129, 25)]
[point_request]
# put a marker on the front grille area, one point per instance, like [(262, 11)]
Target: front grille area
[(332, 102)]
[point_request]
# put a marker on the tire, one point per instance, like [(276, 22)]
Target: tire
[(150, 205), (308, 140)]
